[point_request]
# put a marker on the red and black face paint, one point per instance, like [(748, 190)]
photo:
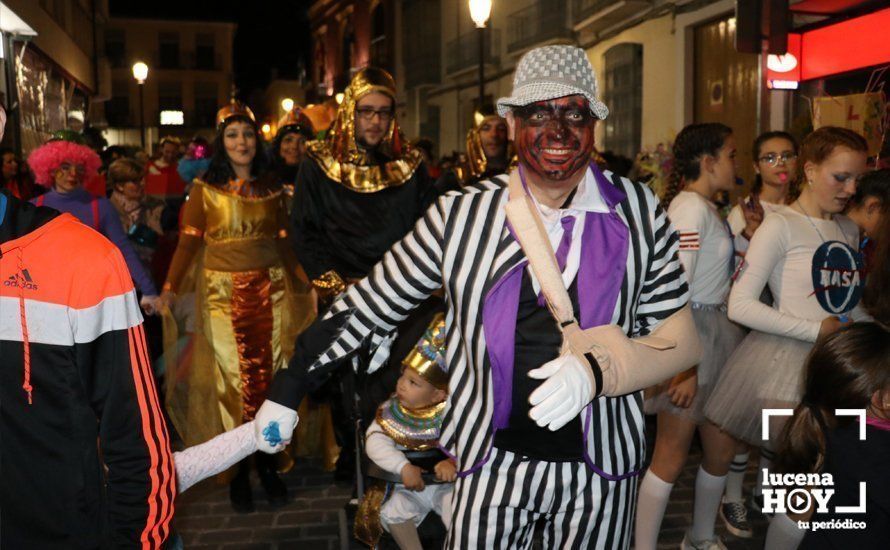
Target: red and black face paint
[(554, 138)]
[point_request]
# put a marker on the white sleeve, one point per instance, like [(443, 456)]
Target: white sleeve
[(768, 246), (689, 221), (217, 455), (383, 451), (736, 221)]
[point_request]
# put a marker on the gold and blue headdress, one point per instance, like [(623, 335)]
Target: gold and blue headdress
[(428, 357)]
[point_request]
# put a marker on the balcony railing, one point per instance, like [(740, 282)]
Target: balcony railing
[(82, 25), (545, 20), (585, 8), (606, 12), (462, 53)]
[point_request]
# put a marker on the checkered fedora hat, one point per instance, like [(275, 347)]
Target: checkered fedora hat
[(551, 72)]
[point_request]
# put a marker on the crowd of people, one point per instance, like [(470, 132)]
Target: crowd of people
[(486, 333)]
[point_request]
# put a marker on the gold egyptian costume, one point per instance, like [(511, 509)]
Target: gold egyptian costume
[(250, 306)]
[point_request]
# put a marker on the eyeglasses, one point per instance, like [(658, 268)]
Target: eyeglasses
[(66, 166), (773, 159), (367, 114)]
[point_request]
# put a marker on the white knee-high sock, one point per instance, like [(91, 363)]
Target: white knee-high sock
[(651, 503), (735, 477), (708, 492), (766, 461), (783, 534)]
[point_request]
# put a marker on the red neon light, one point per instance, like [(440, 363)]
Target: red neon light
[(839, 48), (846, 46), (788, 76)]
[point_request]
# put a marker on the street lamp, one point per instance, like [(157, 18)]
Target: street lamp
[(287, 104), (480, 10), (140, 73)]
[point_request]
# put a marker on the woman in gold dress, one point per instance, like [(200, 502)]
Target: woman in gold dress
[(233, 253)]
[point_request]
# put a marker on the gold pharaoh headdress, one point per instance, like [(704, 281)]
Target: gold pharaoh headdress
[(476, 160), (296, 120), (428, 357), (340, 156), (233, 109)]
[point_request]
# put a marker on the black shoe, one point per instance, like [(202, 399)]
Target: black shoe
[(345, 470), (239, 491), (276, 489), (735, 518)]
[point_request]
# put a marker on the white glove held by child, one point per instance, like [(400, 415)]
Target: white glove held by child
[(274, 426)]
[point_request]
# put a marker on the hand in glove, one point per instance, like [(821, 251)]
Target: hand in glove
[(274, 426), (567, 388)]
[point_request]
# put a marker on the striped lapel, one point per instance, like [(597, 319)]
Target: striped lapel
[(508, 254)]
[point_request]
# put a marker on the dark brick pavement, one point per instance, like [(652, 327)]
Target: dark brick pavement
[(311, 520)]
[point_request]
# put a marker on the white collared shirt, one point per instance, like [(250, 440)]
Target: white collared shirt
[(587, 199)]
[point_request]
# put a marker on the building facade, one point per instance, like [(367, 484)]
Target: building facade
[(190, 76), (661, 64), (643, 51), (346, 36), (53, 73)]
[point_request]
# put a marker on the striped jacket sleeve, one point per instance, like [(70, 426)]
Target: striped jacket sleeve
[(114, 367), (664, 289), (364, 318)]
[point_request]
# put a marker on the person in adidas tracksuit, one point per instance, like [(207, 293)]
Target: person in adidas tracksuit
[(536, 442), (74, 372)]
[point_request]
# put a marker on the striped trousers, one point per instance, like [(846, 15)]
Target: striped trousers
[(499, 506)]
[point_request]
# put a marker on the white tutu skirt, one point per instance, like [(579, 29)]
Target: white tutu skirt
[(765, 372), (719, 337)]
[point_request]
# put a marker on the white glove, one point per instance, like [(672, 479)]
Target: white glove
[(567, 389), (273, 426)]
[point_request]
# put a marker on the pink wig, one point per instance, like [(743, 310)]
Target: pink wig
[(47, 158)]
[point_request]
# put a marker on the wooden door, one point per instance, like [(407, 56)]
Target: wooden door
[(726, 86)]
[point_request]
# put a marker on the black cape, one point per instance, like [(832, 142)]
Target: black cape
[(336, 228)]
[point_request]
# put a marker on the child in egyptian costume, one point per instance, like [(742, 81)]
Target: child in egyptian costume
[(410, 421)]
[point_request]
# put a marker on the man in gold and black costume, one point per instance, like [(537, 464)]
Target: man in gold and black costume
[(358, 192), (489, 153)]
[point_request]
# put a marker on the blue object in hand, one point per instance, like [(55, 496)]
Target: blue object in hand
[(844, 319), (271, 434)]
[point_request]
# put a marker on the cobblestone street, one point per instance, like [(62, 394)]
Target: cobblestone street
[(678, 516), (205, 520), (311, 521)]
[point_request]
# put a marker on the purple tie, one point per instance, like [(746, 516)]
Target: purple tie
[(562, 252)]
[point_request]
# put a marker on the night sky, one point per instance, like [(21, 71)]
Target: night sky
[(271, 34)]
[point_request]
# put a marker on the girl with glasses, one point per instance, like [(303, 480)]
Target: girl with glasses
[(775, 165)]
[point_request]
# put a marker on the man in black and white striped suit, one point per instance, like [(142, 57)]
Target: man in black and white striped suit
[(532, 437)]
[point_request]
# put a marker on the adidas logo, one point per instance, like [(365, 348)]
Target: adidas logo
[(22, 279)]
